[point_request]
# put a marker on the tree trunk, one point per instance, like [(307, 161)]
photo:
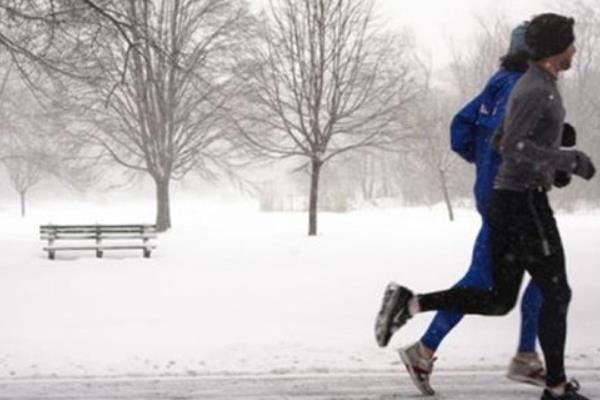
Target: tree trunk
[(386, 191), (313, 197), (446, 194), (23, 193), (363, 187), (163, 207), (371, 177)]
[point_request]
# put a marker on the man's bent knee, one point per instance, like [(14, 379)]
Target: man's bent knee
[(504, 307)]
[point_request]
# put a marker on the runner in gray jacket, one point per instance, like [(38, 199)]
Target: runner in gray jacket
[(523, 232), (531, 151)]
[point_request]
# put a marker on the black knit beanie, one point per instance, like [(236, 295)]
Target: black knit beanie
[(549, 34)]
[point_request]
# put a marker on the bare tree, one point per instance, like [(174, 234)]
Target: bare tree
[(472, 66), (34, 144), (5, 71), (21, 154), (374, 170), (164, 115), (439, 153), (43, 37), (580, 91), (373, 173), (322, 83), (24, 167), (17, 153), (432, 113)]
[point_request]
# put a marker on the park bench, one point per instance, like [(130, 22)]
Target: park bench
[(119, 237)]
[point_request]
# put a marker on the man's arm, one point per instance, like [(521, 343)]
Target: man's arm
[(462, 130)]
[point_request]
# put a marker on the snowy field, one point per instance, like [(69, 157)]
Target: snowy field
[(233, 291)]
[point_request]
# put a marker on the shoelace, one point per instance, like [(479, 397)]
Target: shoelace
[(425, 365), (431, 364)]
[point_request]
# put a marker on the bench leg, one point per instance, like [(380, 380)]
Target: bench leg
[(99, 253), (147, 253), (50, 244)]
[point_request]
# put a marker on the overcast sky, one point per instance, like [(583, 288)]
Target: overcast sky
[(435, 21)]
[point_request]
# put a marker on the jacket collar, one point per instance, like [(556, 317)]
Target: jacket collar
[(542, 73)]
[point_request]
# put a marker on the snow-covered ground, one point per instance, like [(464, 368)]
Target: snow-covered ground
[(232, 290), (462, 385)]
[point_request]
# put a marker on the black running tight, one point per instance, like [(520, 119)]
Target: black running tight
[(523, 237)]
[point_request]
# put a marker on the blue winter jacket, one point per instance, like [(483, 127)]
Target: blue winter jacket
[(472, 129)]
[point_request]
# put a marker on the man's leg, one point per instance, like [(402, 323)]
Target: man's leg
[(549, 274), (531, 304), (507, 274), (553, 317), (505, 220), (499, 300)]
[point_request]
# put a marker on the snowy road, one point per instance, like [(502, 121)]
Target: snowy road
[(464, 385)]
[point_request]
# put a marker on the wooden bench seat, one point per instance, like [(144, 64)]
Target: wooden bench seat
[(99, 234)]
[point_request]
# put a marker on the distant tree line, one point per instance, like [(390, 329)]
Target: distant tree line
[(164, 89)]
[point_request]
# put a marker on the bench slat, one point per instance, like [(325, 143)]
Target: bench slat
[(99, 225), (55, 248), (96, 229), (63, 236)]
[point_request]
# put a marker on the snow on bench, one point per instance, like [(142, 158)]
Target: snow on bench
[(119, 234)]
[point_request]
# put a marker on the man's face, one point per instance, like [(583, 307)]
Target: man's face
[(566, 58)]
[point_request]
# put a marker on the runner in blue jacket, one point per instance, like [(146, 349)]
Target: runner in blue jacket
[(471, 132)]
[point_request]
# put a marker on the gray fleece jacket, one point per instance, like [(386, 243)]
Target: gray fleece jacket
[(530, 135)]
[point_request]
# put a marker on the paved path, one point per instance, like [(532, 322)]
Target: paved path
[(461, 386)]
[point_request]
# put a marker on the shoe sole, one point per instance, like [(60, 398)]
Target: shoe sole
[(385, 316), (413, 375), (525, 379)]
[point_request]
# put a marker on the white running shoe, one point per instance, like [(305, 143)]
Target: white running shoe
[(527, 369), (419, 367)]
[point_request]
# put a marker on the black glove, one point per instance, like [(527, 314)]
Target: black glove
[(569, 136), (584, 167), (561, 179)]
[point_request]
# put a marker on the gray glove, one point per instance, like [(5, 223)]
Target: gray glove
[(584, 167)]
